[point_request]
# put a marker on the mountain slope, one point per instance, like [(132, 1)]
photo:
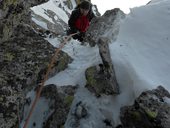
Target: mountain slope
[(140, 56)]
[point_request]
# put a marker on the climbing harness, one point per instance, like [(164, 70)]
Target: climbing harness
[(55, 56)]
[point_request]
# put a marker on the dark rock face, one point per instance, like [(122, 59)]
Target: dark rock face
[(62, 98), (107, 24), (24, 61), (149, 111), (97, 81), (101, 79), (24, 57), (107, 64), (13, 13)]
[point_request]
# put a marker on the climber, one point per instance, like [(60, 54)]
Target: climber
[(80, 20)]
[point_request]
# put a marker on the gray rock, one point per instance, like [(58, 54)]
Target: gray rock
[(98, 82), (23, 62), (13, 13), (105, 26), (148, 111), (61, 100), (107, 63), (80, 111), (101, 79)]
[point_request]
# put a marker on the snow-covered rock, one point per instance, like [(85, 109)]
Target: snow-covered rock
[(105, 26), (149, 110), (60, 102)]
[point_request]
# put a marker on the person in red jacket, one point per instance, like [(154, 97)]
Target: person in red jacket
[(80, 20)]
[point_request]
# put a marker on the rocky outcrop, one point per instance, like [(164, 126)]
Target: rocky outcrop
[(13, 13), (97, 82), (58, 26), (105, 26), (150, 110), (24, 60), (101, 79), (62, 98), (107, 64)]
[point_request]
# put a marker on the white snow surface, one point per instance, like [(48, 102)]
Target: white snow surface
[(40, 113), (42, 24), (141, 58), (53, 6), (84, 57)]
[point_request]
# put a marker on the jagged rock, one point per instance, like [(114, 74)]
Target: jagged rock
[(149, 110), (61, 100), (97, 82), (106, 25), (80, 110), (107, 63), (101, 79), (13, 13), (97, 13), (23, 62), (78, 113)]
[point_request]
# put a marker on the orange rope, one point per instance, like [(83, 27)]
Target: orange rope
[(46, 77)]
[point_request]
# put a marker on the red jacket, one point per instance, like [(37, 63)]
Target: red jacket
[(82, 23), (77, 22)]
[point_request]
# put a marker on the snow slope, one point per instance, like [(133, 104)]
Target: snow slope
[(143, 42)]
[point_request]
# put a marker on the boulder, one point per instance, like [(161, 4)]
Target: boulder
[(107, 64), (97, 81), (105, 26), (101, 79), (61, 99), (150, 110)]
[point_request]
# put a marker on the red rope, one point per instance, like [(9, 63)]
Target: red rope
[(46, 77)]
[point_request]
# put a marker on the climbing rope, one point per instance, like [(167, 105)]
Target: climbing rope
[(55, 56)]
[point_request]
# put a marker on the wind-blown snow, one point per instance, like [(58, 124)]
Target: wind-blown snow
[(84, 57), (144, 42), (50, 5), (141, 57), (40, 113)]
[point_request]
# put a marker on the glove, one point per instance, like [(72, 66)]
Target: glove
[(82, 34)]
